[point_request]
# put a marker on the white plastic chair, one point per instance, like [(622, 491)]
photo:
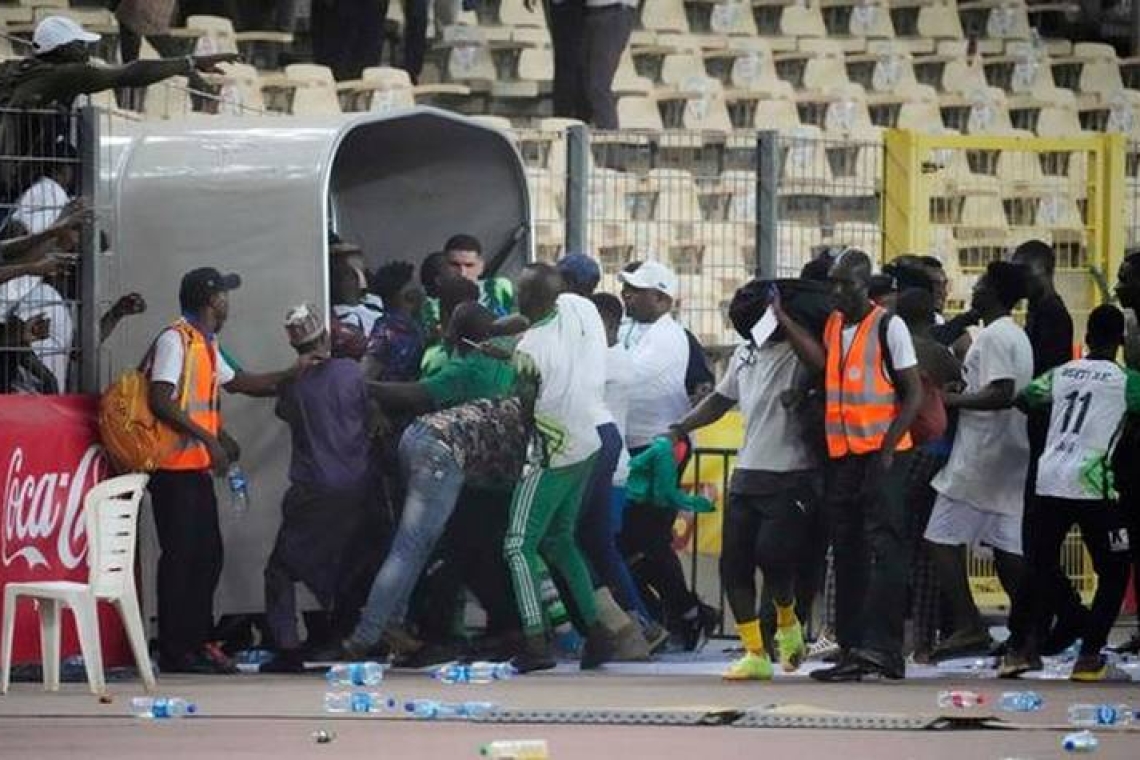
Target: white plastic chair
[(111, 512)]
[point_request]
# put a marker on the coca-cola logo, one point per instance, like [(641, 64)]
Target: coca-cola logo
[(42, 507)]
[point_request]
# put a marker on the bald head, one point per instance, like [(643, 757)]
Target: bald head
[(850, 279), (539, 286)]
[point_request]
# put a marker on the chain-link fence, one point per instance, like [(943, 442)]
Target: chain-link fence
[(46, 162)]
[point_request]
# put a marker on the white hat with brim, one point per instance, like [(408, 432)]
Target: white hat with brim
[(56, 31), (652, 275)]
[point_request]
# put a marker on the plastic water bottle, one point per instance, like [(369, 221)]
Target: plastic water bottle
[(1101, 715), (239, 489), (355, 674), (523, 749), (475, 672), (1021, 701), (162, 707), (1081, 741), (960, 698), (357, 702), (431, 709)]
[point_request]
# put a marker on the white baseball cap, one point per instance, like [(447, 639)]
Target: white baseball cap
[(652, 275), (56, 31)]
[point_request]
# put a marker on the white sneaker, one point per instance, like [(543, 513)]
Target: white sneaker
[(822, 647)]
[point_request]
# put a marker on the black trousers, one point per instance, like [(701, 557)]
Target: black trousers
[(470, 555), (190, 563), (646, 541), (1105, 534), (347, 36), (316, 525), (769, 532), (605, 34), (866, 508), (567, 21)]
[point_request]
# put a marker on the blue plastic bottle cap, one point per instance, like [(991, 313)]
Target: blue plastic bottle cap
[(191, 709)]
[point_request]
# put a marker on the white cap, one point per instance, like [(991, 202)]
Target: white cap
[(56, 31), (652, 275)]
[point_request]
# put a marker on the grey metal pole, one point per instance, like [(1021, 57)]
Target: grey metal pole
[(90, 289), (577, 189), (767, 201)]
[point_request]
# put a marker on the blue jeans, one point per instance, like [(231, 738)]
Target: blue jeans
[(597, 534), (434, 481)]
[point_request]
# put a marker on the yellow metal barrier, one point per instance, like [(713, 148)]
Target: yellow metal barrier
[(969, 199)]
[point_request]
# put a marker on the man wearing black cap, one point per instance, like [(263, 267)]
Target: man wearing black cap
[(186, 368)]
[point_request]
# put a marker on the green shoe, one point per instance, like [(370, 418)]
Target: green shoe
[(790, 645), (750, 667)]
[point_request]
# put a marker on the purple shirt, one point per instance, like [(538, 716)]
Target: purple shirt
[(326, 408)]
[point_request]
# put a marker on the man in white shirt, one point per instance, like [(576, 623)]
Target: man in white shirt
[(659, 351), (981, 490), (561, 374)]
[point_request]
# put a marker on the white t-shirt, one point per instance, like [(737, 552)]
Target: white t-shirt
[(619, 388), (990, 459), (29, 297), (169, 356), (567, 352), (1089, 398), (40, 205), (899, 342), (755, 379), (660, 357)]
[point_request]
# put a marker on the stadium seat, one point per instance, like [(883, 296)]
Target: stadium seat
[(382, 89), (885, 67), (639, 112), (866, 236), (240, 90), (806, 170), (308, 90), (610, 219), (546, 213), (1100, 74), (468, 57), (751, 66), (825, 64), (853, 23), (215, 34), (731, 18), (963, 74), (1060, 117), (921, 111), (938, 20), (796, 245), (168, 100), (783, 24), (664, 16), (777, 110), (994, 23)]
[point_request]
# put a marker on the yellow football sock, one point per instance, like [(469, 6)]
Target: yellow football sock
[(785, 615), (751, 637)]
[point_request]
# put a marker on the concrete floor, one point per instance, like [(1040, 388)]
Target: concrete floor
[(254, 716)]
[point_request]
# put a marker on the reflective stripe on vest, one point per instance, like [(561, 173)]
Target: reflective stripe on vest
[(861, 400), (199, 399)]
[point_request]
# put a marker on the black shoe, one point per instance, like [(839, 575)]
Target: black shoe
[(965, 643), (286, 661), (858, 668), (431, 653), (1059, 639), (600, 648), (889, 666), (696, 630), (536, 654), (199, 663)]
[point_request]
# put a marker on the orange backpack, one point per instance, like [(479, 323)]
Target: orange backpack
[(134, 438)]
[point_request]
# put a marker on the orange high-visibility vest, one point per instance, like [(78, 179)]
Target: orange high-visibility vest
[(861, 400), (199, 398)]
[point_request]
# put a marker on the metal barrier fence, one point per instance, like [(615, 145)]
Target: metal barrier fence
[(47, 161)]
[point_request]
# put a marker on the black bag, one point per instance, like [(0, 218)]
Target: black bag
[(805, 301)]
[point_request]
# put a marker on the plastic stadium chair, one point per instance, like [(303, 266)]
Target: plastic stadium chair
[(664, 16), (111, 511), (826, 66)]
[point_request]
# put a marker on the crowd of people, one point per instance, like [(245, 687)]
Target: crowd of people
[(522, 441)]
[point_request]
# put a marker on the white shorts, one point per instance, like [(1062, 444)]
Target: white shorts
[(955, 523)]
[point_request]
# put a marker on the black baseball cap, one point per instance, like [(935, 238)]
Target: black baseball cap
[(199, 284)]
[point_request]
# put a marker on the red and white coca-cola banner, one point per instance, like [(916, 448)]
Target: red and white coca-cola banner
[(49, 457)]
